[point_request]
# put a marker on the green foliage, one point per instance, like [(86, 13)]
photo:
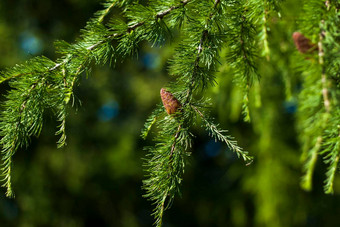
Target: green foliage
[(214, 34), (319, 99), (34, 90), (193, 66), (165, 164)]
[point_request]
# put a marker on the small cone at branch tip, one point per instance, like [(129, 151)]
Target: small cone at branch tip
[(170, 103), (302, 43)]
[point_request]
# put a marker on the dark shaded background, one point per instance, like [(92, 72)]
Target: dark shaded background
[(96, 179)]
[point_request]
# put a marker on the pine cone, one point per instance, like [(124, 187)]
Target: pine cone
[(302, 43), (170, 103)]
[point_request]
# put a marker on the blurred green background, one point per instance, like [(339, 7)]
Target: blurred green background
[(96, 179)]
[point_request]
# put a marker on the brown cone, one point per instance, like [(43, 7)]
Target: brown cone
[(170, 103), (302, 43)]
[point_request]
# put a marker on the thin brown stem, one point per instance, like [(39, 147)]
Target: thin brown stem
[(325, 95), (165, 12), (325, 92)]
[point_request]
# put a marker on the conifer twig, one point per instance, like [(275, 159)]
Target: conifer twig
[(198, 56), (266, 49), (323, 76), (166, 165), (173, 146), (43, 68), (323, 116), (306, 183), (218, 134), (110, 37), (107, 11), (165, 12), (129, 29)]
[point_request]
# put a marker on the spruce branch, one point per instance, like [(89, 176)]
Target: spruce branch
[(173, 146), (165, 165), (259, 11), (62, 112), (36, 85), (193, 64), (219, 134), (196, 69), (108, 6), (323, 76), (319, 107), (59, 78), (13, 73), (332, 159), (35, 65), (151, 120), (160, 15), (266, 51), (330, 61), (309, 166), (242, 41), (21, 119), (331, 151)]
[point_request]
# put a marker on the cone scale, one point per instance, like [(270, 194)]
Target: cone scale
[(170, 103), (302, 43)]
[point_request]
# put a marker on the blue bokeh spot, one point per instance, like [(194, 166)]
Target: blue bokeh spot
[(212, 148), (108, 111), (290, 107), (150, 61), (30, 43)]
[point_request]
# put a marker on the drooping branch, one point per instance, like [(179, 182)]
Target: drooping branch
[(219, 134), (59, 77), (109, 38), (319, 112)]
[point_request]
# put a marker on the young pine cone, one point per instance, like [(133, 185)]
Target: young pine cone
[(303, 44), (170, 103)]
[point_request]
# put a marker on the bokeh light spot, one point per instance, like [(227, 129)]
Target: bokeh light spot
[(30, 43), (108, 111), (212, 148)]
